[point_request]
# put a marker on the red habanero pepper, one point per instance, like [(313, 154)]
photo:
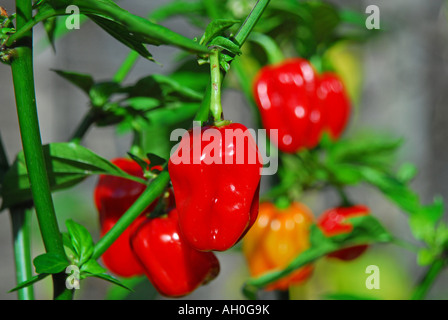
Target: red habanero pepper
[(171, 264), (300, 104), (335, 103), (113, 197), (216, 185), (332, 222), (284, 94)]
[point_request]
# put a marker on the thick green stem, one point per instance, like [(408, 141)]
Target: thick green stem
[(428, 280), (154, 190), (23, 79), (215, 93)]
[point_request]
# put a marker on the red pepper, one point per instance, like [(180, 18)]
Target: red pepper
[(171, 264), (335, 103), (113, 197), (333, 222), (217, 203), (300, 104)]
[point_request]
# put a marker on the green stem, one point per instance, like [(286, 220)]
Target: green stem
[(20, 221), (240, 38), (251, 21), (270, 47), (215, 77), (23, 79), (154, 190), (428, 280), (21, 225), (126, 67), (81, 130)]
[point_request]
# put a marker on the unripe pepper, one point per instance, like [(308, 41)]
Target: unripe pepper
[(216, 185), (170, 263), (277, 237), (333, 222), (113, 197), (300, 104)]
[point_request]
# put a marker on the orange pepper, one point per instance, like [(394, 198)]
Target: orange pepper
[(276, 238)]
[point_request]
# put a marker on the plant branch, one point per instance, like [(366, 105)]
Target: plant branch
[(23, 79), (154, 190), (428, 280), (240, 38)]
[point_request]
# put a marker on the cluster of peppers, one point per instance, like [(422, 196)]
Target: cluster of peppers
[(300, 103), (217, 202), (175, 250)]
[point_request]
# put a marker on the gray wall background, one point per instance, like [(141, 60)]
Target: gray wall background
[(404, 92)]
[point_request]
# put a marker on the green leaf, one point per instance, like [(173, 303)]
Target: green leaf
[(67, 164), (111, 279), (81, 240), (142, 163), (225, 44), (30, 282), (122, 34), (163, 88), (216, 28), (146, 31), (142, 290), (407, 172), (50, 263), (92, 267), (155, 160), (100, 93), (83, 81)]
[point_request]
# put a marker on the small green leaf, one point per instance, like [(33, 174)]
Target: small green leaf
[(92, 267), (111, 279), (142, 163), (215, 28), (155, 160), (100, 93), (81, 240), (121, 33), (50, 263), (407, 172), (30, 282), (225, 44), (83, 81)]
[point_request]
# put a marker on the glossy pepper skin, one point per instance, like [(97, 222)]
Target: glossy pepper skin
[(300, 104), (277, 237), (170, 263), (335, 103), (217, 200), (332, 222), (113, 196)]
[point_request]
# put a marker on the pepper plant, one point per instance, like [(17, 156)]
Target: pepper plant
[(257, 47)]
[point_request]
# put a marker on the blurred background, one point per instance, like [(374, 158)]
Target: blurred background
[(402, 91)]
